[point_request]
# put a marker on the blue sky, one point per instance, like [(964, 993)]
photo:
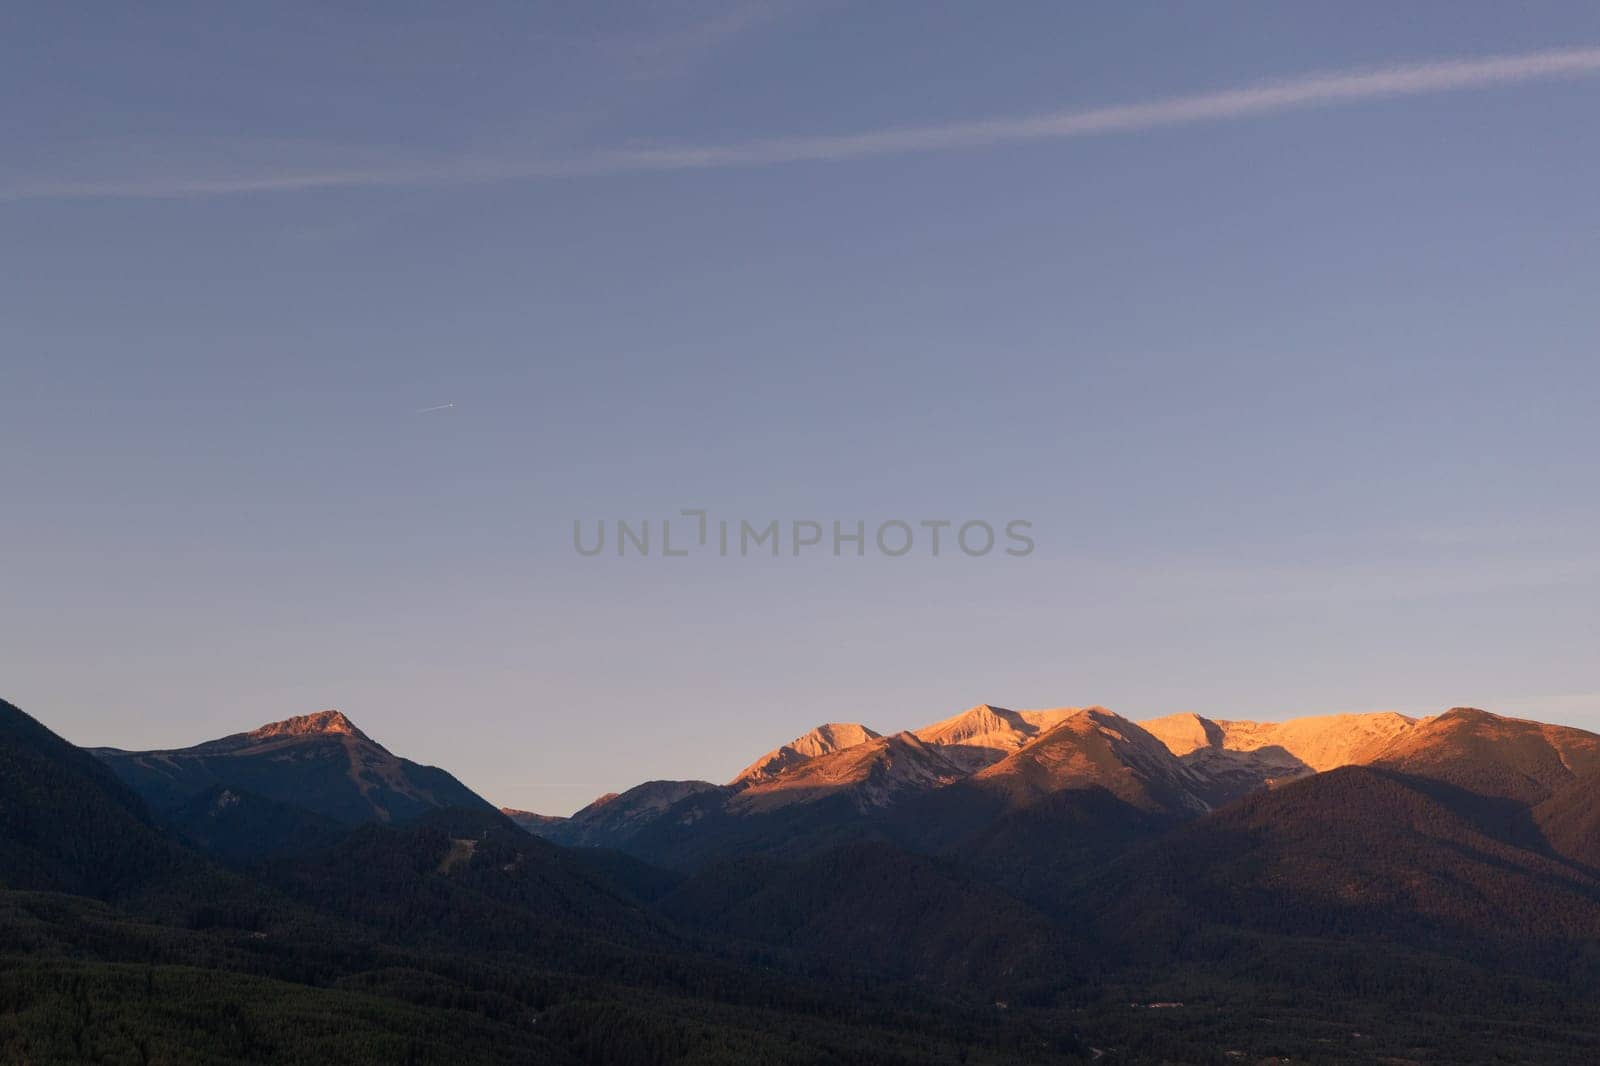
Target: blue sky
[(1296, 386)]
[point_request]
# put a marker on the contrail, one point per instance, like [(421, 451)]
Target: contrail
[(1207, 107), (437, 407), (1264, 99)]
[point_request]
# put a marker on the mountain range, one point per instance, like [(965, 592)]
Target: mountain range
[(997, 886), (959, 774)]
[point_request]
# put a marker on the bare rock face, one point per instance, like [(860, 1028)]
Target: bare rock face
[(323, 722), (985, 734), (1240, 757), (871, 774), (823, 740)]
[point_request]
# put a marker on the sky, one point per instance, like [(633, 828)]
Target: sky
[(322, 325)]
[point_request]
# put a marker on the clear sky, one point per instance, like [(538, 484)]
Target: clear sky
[(1296, 384)]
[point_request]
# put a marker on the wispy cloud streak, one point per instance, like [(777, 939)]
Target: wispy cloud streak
[(1276, 97)]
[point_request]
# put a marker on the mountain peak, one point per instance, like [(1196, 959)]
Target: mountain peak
[(320, 762), (823, 740), (1094, 746), (983, 735), (1494, 755), (872, 772), (1186, 733), (309, 725), (1468, 714)]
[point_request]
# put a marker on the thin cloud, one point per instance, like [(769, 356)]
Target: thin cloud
[(1283, 96), (677, 51)]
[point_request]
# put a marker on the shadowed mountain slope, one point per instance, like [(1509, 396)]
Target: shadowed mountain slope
[(1042, 795), (1043, 853), (1568, 822), (900, 788), (67, 824), (320, 762), (466, 877), (1094, 747), (241, 828), (1354, 852), (875, 908), (613, 820), (825, 801), (531, 822)]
